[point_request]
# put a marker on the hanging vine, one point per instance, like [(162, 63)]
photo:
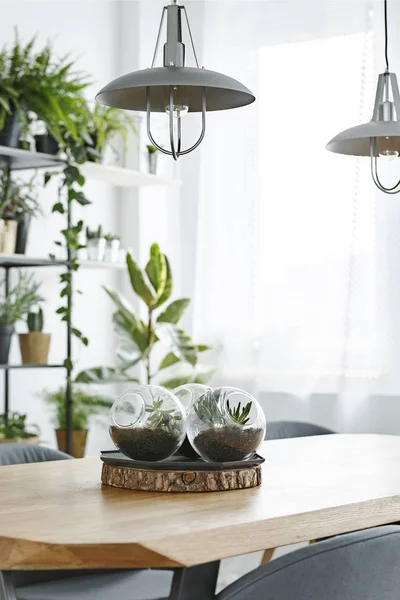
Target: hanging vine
[(70, 190)]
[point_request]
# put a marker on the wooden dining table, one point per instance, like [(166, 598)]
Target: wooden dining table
[(57, 515)]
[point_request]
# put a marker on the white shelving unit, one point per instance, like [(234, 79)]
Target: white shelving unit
[(119, 176), (122, 177)]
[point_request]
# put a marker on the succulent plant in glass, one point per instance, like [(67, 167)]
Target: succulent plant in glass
[(226, 425), (147, 423)]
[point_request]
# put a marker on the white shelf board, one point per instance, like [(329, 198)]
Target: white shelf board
[(21, 260), (122, 177), (93, 264)]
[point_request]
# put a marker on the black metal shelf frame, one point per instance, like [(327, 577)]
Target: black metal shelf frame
[(11, 159)]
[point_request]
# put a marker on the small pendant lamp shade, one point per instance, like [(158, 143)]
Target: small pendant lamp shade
[(356, 140), (380, 138), (175, 88), (129, 91)]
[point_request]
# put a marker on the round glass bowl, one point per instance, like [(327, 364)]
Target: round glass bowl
[(188, 394), (147, 423), (226, 425)]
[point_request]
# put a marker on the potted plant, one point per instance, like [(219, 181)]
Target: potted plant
[(40, 83), (147, 423), (35, 344), (17, 430), (109, 127), (152, 155), (84, 406), (226, 425), (13, 307), (95, 243), (112, 247), (140, 340), (18, 204)]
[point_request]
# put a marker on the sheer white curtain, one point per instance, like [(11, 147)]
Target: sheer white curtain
[(290, 265)]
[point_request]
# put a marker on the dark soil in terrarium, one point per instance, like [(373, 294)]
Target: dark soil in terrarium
[(187, 449), (228, 444), (144, 444)]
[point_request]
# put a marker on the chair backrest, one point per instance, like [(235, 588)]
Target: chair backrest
[(16, 454), (355, 566), (277, 430)]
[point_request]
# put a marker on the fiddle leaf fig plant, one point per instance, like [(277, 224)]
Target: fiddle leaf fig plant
[(140, 339)]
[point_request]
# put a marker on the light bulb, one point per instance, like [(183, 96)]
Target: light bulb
[(387, 148), (180, 106)]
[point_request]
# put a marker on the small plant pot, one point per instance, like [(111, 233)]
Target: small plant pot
[(143, 444), (32, 439), (10, 134), (22, 233), (152, 162), (79, 437), (226, 425), (46, 143), (34, 347), (147, 423), (8, 236), (111, 253), (6, 333), (96, 249)]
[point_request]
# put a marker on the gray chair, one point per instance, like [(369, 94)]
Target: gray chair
[(71, 584), (18, 454), (355, 566), (277, 430)]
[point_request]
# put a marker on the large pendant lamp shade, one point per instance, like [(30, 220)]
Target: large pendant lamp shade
[(380, 137), (175, 88)]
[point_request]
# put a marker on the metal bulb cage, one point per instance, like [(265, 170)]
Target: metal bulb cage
[(154, 89), (383, 129)]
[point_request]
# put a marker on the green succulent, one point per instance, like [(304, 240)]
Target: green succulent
[(162, 418), (240, 415)]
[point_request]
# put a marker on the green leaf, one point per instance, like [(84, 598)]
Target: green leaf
[(156, 269), (124, 306), (178, 341), (168, 360), (138, 281), (103, 375), (168, 286), (203, 348), (128, 354), (68, 364), (129, 333), (174, 311), (58, 207), (185, 373)]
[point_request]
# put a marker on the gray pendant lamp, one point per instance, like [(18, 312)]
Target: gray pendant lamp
[(174, 88), (381, 136)]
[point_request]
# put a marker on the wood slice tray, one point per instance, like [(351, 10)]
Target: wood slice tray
[(179, 474)]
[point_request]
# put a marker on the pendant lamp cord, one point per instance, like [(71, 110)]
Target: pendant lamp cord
[(386, 36)]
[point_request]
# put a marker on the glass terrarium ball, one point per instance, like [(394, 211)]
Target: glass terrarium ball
[(147, 423), (188, 394), (226, 424)]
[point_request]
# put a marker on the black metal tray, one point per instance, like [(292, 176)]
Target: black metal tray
[(176, 463)]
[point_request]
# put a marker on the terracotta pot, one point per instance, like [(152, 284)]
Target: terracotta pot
[(8, 236), (78, 441), (34, 347), (32, 439)]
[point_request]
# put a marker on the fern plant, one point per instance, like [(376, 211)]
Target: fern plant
[(39, 82)]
